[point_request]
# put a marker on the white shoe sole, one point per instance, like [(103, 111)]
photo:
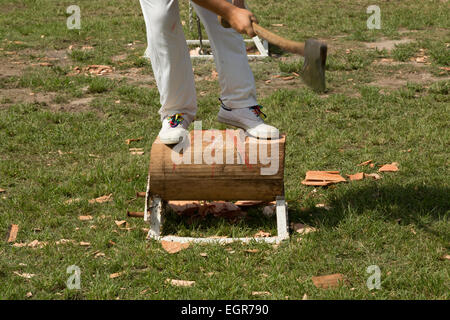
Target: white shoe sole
[(239, 125), (171, 140)]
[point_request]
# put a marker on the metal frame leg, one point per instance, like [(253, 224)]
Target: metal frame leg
[(282, 218), (156, 218)]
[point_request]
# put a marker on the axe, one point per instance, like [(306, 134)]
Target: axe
[(314, 52)]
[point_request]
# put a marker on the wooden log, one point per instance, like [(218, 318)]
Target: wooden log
[(135, 214), (218, 165)]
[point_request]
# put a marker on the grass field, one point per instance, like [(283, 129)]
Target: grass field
[(62, 143)]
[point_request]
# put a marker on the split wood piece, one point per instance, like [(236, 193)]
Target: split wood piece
[(228, 180), (135, 214), (12, 233), (356, 176), (329, 281), (389, 168), (140, 194), (322, 178)]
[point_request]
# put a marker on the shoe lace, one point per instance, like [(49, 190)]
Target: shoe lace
[(257, 110), (175, 120)]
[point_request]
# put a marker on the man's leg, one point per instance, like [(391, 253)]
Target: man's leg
[(169, 56), (238, 94), (235, 76)]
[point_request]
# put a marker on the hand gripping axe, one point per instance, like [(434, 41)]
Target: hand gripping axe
[(314, 52)]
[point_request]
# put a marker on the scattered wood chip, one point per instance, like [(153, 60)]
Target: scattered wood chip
[(97, 69), (328, 281), (29, 294), (356, 176), (288, 78), (323, 206), (296, 74), (248, 203), (322, 178), (174, 247), (305, 297), (262, 234), (180, 283), (70, 201), (365, 163), (116, 275), (252, 250), (2, 190), (24, 275), (375, 176), (302, 229), (64, 241), (85, 244), (32, 244), (85, 218), (277, 25), (121, 223), (99, 254), (446, 257), (12, 233), (389, 168), (261, 293), (203, 254), (102, 199), (128, 141)]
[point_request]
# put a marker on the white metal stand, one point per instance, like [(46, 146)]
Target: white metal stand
[(155, 208)]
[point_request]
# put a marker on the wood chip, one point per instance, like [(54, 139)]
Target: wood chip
[(85, 244), (305, 297), (302, 229), (180, 283), (12, 233), (389, 168), (29, 294), (446, 257), (85, 218), (24, 275), (261, 293), (277, 25), (328, 281), (262, 234), (121, 223), (116, 275), (322, 178), (2, 190), (288, 78), (248, 203), (102, 199), (365, 163), (32, 244), (356, 176), (174, 247), (252, 250), (375, 176), (128, 141)]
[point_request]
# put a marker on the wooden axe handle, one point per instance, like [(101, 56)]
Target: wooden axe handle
[(285, 44)]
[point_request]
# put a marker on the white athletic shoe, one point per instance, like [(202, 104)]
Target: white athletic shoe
[(248, 119), (173, 129)]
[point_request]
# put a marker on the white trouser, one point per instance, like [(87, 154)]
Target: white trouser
[(169, 56)]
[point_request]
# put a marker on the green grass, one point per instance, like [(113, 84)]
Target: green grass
[(48, 157)]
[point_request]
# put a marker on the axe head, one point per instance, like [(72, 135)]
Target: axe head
[(313, 72)]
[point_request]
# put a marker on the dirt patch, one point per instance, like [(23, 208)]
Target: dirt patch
[(401, 80), (387, 44), (78, 105), (24, 95)]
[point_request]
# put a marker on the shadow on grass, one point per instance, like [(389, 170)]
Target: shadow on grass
[(411, 204)]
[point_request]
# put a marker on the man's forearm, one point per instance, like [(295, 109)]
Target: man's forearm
[(220, 7)]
